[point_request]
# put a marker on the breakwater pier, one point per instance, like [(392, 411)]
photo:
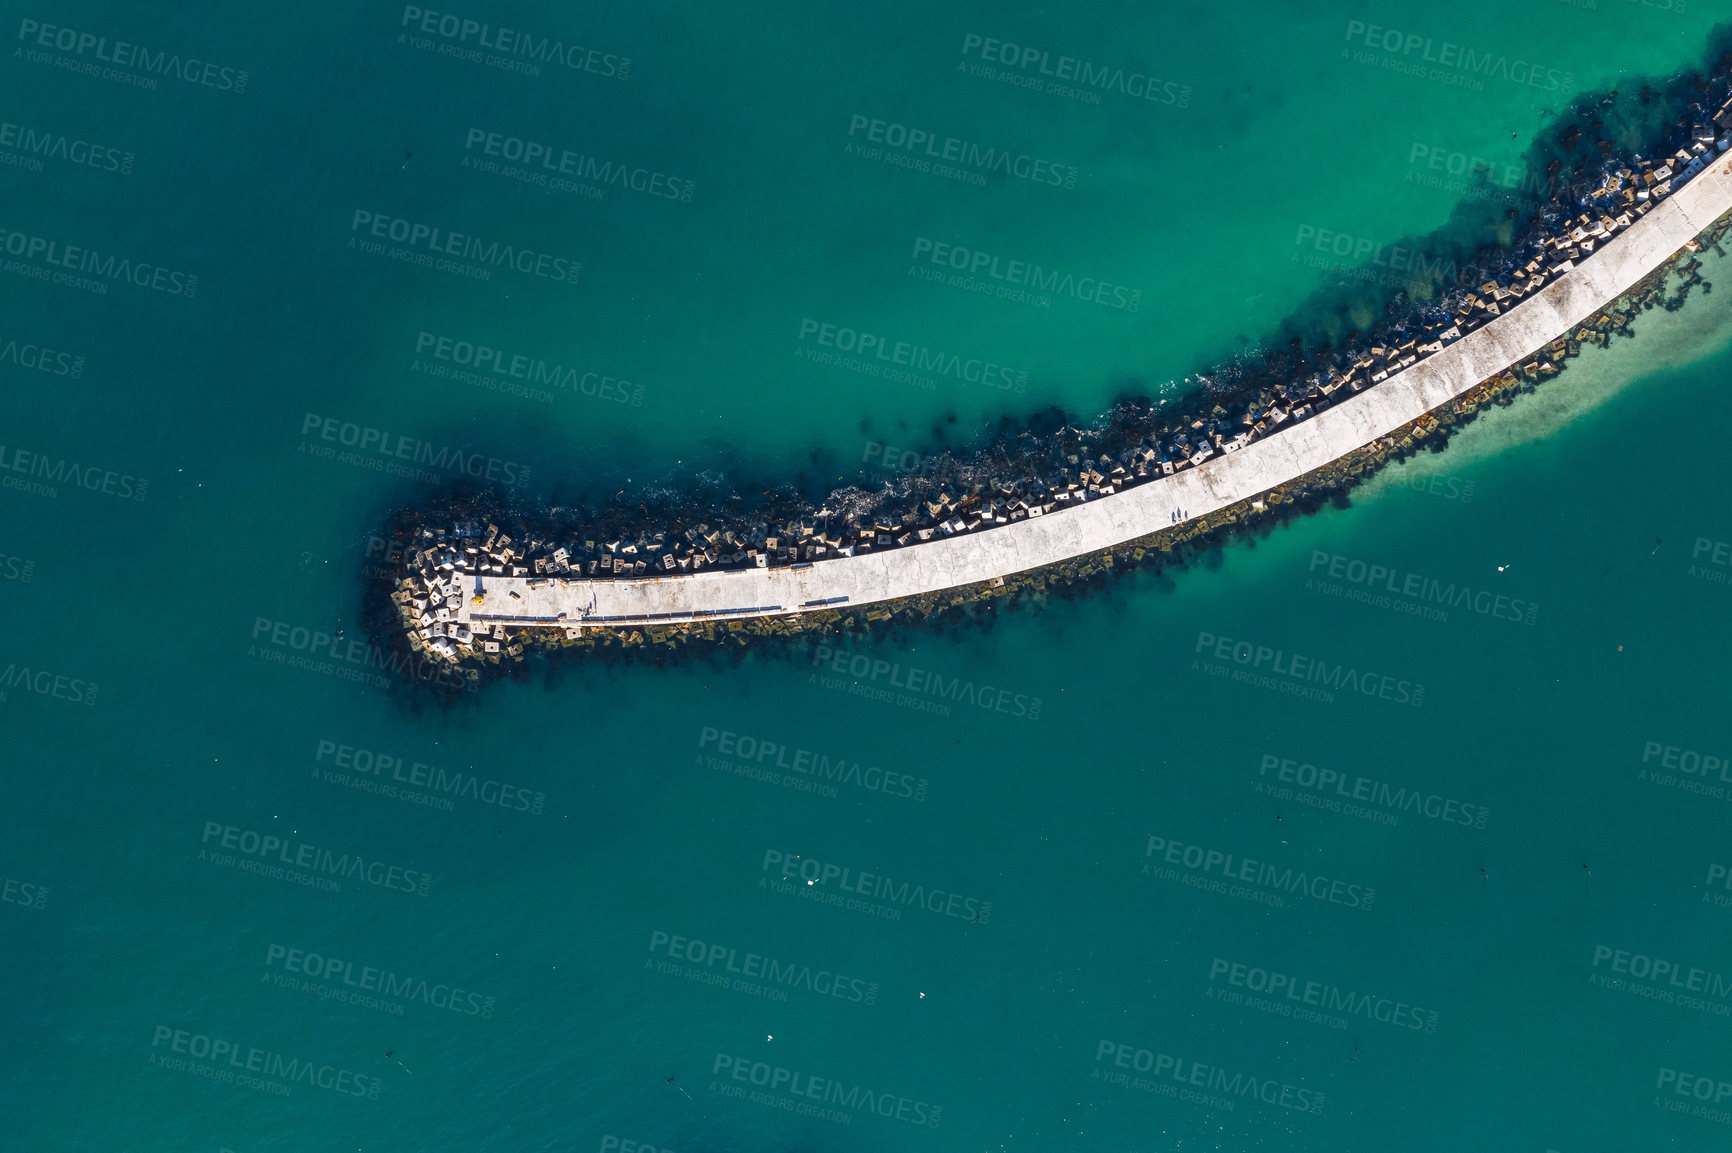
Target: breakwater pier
[(467, 590)]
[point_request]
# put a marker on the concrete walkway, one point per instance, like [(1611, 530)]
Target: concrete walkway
[(1112, 520)]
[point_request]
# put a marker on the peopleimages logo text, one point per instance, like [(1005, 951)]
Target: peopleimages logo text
[(1378, 578), (1410, 263), (927, 682), (1369, 791), (578, 165), (89, 262), (794, 866), (461, 31), (58, 146), (328, 862), (124, 55), (1662, 970), (1299, 668), (483, 358), (313, 648), (759, 751), (383, 766), (776, 1079), (1420, 50), (59, 470), (973, 262), (966, 153), (1700, 1086), (1322, 995), (1689, 762), (758, 967), (395, 446), (1213, 1078), (265, 1062), (934, 362), (463, 246), (1279, 878), (41, 358), (16, 892), (44, 683), (319, 966), (1069, 69)]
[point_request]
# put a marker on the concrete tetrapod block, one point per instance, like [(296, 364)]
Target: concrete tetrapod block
[(1110, 521)]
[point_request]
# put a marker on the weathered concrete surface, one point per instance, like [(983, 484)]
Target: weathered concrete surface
[(1112, 520)]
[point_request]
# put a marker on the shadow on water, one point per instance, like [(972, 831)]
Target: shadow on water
[(1493, 229)]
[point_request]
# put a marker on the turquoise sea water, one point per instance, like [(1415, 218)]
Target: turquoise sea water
[(512, 938)]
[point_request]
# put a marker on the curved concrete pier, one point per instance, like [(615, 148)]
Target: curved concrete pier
[(1109, 521)]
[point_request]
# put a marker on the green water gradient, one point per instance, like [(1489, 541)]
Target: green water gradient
[(1592, 493)]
